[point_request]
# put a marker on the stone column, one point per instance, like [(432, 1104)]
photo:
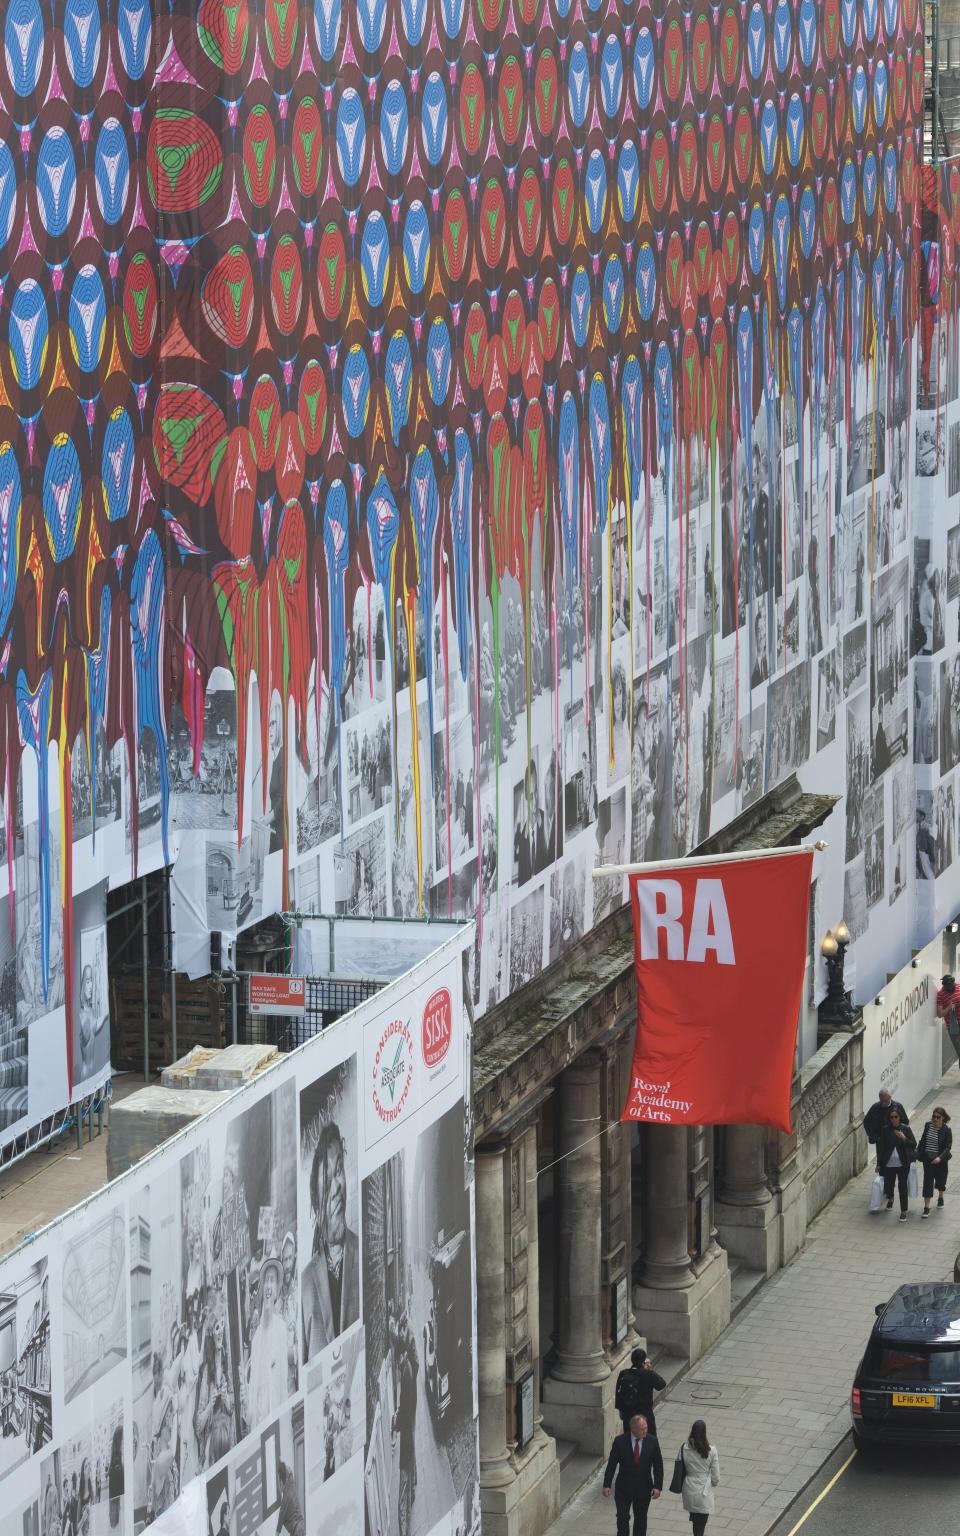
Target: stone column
[(744, 1166), (678, 1307), (495, 1469), (785, 1172), (577, 1395), (746, 1211), (580, 1353), (666, 1247), (616, 1226), (533, 1266)]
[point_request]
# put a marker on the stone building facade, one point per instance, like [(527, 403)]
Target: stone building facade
[(593, 1235)]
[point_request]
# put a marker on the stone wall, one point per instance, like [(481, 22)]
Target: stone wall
[(832, 1145)]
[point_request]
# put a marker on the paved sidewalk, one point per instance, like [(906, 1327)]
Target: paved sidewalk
[(774, 1390), (56, 1177)]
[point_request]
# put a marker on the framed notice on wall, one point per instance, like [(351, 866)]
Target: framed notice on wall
[(619, 1309), (524, 1410)]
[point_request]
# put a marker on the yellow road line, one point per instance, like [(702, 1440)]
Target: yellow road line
[(821, 1495)]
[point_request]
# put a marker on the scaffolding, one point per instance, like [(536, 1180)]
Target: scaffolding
[(941, 69)]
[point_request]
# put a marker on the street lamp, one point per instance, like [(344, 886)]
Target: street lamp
[(836, 1010)]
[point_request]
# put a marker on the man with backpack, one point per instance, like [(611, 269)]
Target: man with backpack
[(635, 1388)]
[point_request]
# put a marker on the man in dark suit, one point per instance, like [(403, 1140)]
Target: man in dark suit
[(637, 1464)]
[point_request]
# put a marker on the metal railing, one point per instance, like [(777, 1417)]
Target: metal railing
[(49, 1130)]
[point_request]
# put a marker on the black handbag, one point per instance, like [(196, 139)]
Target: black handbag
[(679, 1473)]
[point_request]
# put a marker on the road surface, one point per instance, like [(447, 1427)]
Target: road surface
[(899, 1489)]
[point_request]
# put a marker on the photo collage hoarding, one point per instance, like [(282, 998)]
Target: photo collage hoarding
[(268, 1324), (444, 448)]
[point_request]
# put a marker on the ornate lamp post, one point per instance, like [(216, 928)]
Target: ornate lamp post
[(836, 1011)]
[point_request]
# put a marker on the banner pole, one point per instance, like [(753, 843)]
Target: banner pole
[(603, 870)]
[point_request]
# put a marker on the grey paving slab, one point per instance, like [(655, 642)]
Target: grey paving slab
[(56, 1177), (795, 1346)]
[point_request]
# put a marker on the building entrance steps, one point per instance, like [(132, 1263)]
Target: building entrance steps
[(774, 1389)]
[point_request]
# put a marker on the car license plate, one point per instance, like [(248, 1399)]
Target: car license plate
[(914, 1400)]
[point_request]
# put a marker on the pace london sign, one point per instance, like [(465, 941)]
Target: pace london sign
[(717, 1004)]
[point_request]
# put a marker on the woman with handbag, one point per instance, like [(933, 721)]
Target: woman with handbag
[(936, 1140), (699, 1476), (896, 1150)]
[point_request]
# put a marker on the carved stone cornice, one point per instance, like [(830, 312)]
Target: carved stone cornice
[(525, 1042)]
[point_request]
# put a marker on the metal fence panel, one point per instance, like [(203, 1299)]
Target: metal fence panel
[(326, 1000)]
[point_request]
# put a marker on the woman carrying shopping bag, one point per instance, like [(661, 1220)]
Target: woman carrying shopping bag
[(936, 1140), (701, 1474), (876, 1194), (896, 1150)]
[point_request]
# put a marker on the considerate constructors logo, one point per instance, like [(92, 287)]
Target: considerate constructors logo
[(393, 1071)]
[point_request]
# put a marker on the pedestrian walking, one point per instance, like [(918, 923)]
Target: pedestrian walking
[(948, 1009), (636, 1463), (701, 1474), (635, 1388), (936, 1140), (896, 1150), (876, 1116)]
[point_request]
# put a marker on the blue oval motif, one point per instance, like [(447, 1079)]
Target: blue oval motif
[(112, 171), (88, 318), (28, 333)]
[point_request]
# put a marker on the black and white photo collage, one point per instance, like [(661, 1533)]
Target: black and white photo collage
[(267, 1325), (41, 1070), (934, 627)]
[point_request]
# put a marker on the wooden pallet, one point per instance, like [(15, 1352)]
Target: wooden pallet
[(201, 1018)]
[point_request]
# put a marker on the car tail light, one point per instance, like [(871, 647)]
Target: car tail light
[(855, 1401)]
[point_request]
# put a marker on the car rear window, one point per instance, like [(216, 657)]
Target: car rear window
[(908, 1363)]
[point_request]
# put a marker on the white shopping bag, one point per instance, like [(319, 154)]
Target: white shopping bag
[(876, 1193), (913, 1188)]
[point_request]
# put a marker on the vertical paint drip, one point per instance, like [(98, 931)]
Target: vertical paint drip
[(745, 349), (558, 744), (478, 779), (586, 523), (609, 617), (367, 586), (409, 606), (147, 590), (446, 731), (9, 816), (647, 515), (34, 712), (734, 434), (192, 698), (66, 880), (628, 499), (495, 619)]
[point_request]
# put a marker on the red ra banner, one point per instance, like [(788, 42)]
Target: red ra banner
[(720, 956)]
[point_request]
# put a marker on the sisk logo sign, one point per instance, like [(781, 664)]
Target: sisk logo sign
[(437, 1030), (393, 1071)]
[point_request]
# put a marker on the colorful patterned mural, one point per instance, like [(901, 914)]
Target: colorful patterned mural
[(443, 447)]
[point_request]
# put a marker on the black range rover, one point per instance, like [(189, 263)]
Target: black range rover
[(907, 1388)]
